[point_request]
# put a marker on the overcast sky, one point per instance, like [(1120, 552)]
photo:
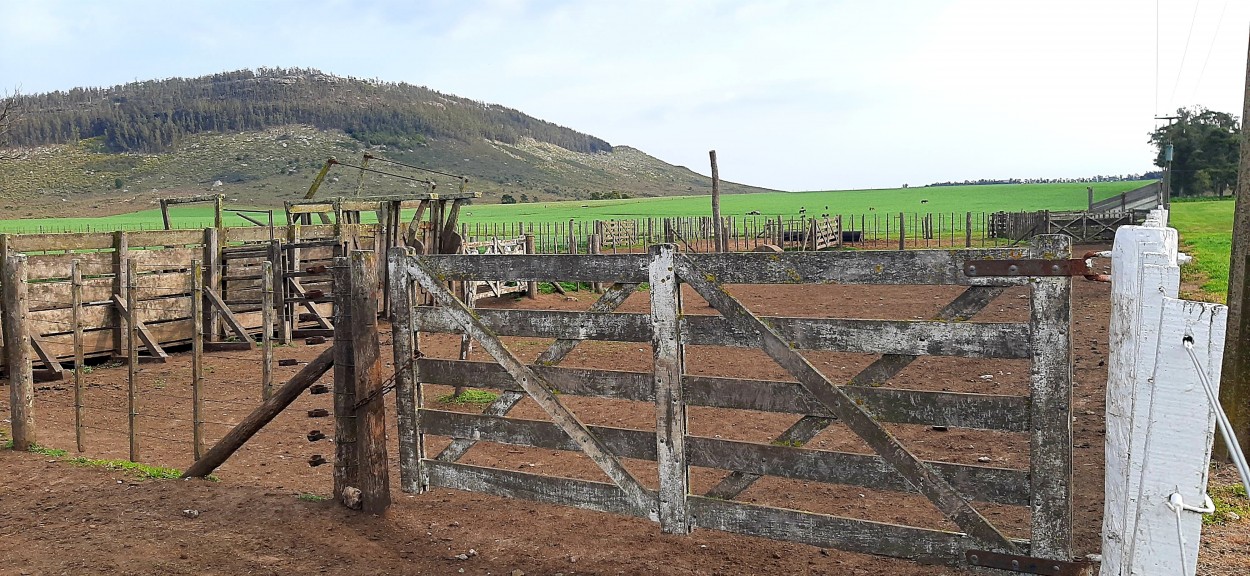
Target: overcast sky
[(796, 95)]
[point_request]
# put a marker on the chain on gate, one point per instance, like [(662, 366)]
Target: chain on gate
[(387, 385)]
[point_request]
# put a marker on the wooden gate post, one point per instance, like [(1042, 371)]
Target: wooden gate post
[(17, 352), (408, 396), (1050, 400), (670, 405), (531, 288), (361, 477)]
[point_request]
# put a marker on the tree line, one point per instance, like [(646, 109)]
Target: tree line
[(155, 115), (1152, 175), (1205, 149)]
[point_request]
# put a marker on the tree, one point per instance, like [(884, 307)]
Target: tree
[(507, 199), (1205, 147), (8, 115)]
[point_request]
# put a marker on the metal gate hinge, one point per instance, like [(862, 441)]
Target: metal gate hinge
[(1068, 267), (1028, 564)]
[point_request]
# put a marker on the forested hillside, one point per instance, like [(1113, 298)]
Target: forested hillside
[(260, 137), (157, 115)]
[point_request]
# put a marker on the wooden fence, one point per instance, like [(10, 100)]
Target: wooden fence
[(1082, 227), (746, 233), (1145, 198), (864, 406), (161, 261)]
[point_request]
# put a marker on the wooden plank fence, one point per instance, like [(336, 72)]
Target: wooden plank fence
[(863, 406), (1082, 227), (748, 232)]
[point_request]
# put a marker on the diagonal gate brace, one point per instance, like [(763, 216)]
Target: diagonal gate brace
[(922, 476), (538, 389), (966, 305), (608, 302)]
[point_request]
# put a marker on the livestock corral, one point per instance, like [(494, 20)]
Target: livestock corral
[(833, 412)]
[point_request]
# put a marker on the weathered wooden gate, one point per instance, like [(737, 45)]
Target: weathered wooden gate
[(863, 406)]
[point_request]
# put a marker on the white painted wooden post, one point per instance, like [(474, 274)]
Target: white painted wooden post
[(1152, 386), (1137, 290)]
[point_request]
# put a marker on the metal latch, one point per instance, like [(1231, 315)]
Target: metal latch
[(1028, 564), (1038, 267)]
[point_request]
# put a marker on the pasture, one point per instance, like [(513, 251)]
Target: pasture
[(944, 199), (1206, 229)]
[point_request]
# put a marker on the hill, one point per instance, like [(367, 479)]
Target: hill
[(264, 134)]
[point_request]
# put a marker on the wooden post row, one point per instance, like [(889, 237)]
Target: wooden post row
[(16, 336)]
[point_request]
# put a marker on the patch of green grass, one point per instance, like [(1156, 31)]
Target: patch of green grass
[(135, 468), (34, 448), (787, 443), (1206, 230), (50, 452), (311, 498), (1231, 504), (469, 396)]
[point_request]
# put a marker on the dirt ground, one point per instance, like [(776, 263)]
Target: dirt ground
[(262, 515)]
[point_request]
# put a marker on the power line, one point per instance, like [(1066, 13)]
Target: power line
[(1184, 54), (1214, 37)]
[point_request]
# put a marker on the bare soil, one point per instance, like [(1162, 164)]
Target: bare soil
[(61, 518)]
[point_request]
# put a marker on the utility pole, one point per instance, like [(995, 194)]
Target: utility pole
[(1235, 375), (1165, 199)]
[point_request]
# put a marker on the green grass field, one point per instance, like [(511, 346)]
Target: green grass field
[(1206, 230), (947, 199)]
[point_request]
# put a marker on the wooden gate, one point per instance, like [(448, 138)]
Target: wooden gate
[(863, 406)]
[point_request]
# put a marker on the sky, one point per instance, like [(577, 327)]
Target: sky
[(793, 95)]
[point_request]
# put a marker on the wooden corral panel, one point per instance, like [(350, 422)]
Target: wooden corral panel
[(862, 407)]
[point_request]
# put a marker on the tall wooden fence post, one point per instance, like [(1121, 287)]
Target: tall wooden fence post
[(362, 479), (345, 464), (266, 329), (212, 280), (197, 359), (75, 296), (132, 359), (968, 230), (718, 235), (594, 246), (17, 352), (121, 261), (531, 288), (902, 232)]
